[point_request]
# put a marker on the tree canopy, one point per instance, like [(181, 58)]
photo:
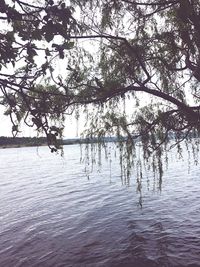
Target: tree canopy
[(132, 66)]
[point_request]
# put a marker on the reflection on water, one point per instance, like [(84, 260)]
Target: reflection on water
[(52, 215)]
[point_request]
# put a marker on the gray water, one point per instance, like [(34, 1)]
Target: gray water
[(51, 214)]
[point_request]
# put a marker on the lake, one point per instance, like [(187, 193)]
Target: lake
[(53, 214)]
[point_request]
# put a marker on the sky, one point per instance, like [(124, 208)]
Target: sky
[(5, 129), (69, 132)]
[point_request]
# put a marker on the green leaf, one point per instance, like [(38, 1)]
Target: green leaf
[(37, 35), (68, 45), (47, 52), (49, 36), (10, 36), (15, 128)]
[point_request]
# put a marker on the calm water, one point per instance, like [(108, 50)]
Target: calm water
[(51, 214)]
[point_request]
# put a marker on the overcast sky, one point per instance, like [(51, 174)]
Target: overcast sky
[(6, 127)]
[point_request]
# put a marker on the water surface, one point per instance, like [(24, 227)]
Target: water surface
[(51, 214)]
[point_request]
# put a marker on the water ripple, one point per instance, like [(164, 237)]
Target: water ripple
[(52, 215)]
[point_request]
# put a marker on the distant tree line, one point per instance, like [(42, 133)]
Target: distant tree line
[(22, 141), (38, 141)]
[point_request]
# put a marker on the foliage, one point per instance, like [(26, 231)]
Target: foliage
[(102, 57)]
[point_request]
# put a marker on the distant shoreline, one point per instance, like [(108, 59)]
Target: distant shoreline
[(17, 142), (26, 145), (19, 146), (14, 142)]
